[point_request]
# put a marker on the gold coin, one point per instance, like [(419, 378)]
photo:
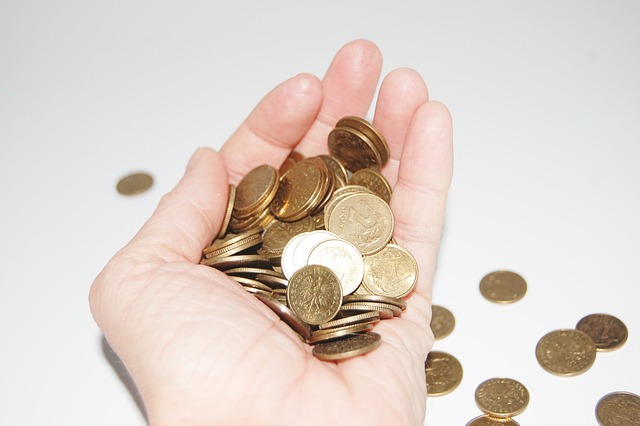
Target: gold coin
[(353, 149), (392, 272), (503, 287), (491, 421), (278, 234), (227, 216), (502, 397), (255, 191), (368, 297), (364, 220), (383, 308), (618, 409), (442, 322), (443, 373), (357, 344), (367, 129), (314, 293), (238, 260), (287, 315), (385, 312), (337, 332), (341, 257), (135, 183), (301, 189), (365, 317), (607, 331), (566, 352), (337, 168), (234, 245), (373, 180)]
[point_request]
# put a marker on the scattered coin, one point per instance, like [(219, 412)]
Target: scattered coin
[(135, 183), (442, 322), (607, 331), (618, 409), (503, 287), (354, 345), (502, 397), (566, 352), (443, 373), (491, 421)]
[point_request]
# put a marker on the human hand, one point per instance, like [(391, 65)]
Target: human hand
[(202, 350)]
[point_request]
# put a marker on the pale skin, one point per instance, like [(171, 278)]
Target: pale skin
[(203, 351)]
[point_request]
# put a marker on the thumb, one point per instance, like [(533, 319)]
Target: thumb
[(188, 217)]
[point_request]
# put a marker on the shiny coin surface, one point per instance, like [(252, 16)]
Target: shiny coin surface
[(607, 331), (287, 261), (443, 373), (357, 344), (353, 149), (364, 220), (301, 189), (341, 257), (278, 234), (365, 318), (367, 129), (491, 421), (255, 191), (503, 287), (392, 272), (618, 409), (314, 293), (373, 180), (306, 244), (338, 332), (442, 322), (135, 183), (566, 352), (502, 397)]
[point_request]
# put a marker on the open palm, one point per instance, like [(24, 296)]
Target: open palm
[(202, 350)]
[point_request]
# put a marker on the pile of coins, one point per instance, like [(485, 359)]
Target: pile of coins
[(313, 240), (569, 352)]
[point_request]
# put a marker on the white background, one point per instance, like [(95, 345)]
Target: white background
[(545, 97)]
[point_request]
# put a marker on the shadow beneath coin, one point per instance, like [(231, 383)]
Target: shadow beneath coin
[(118, 366)]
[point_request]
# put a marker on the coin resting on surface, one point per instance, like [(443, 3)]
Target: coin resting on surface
[(442, 322), (566, 352), (618, 409), (491, 421), (443, 373), (501, 397), (607, 331), (503, 287), (135, 183)]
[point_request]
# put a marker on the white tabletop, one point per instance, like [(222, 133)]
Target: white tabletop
[(545, 98)]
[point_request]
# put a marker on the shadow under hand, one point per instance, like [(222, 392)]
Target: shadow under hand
[(118, 366)]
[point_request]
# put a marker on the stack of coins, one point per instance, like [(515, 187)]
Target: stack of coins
[(500, 399), (313, 240), (572, 351)]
